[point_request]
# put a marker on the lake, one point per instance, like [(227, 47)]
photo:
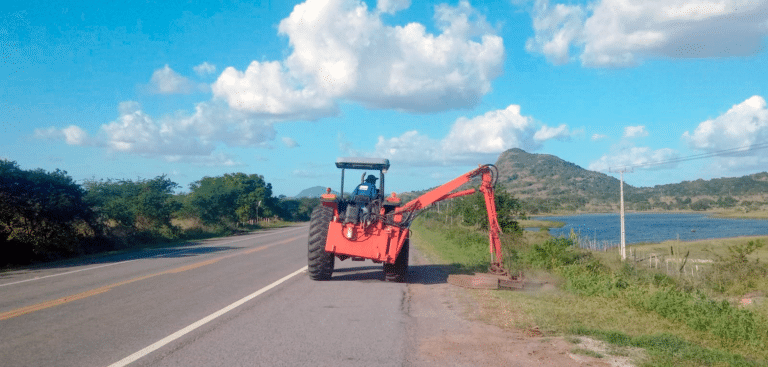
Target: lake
[(655, 227)]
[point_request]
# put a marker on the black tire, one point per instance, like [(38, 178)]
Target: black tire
[(398, 272), (320, 263)]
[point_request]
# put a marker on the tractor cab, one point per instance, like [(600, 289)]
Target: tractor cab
[(366, 197)]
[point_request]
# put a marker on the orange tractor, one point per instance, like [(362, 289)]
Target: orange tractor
[(369, 225)]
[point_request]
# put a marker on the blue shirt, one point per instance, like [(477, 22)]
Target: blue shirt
[(366, 189)]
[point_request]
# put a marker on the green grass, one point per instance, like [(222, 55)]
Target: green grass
[(599, 296)]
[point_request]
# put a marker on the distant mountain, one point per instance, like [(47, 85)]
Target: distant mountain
[(313, 192), (547, 184)]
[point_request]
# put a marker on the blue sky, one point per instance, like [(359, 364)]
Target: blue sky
[(281, 89)]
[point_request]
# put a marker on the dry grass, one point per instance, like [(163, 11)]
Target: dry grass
[(532, 223), (741, 214)]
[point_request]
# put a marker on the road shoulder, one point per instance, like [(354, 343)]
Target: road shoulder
[(444, 329)]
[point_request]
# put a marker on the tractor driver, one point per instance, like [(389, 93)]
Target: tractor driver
[(367, 188)]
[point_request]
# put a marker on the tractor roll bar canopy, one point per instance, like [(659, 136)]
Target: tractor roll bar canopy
[(379, 164)]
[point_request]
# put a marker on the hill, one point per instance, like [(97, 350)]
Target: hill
[(548, 184), (312, 192)]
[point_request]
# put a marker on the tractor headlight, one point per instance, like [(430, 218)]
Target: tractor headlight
[(350, 232)]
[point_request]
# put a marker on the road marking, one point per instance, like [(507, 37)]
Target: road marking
[(178, 251), (162, 342), (60, 301)]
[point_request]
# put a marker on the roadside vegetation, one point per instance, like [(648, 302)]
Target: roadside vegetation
[(676, 320), (47, 216)]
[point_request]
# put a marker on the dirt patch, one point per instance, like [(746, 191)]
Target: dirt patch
[(445, 330)]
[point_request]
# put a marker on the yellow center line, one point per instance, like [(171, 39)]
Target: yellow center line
[(95, 291)]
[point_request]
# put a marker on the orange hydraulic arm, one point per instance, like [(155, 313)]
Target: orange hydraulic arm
[(444, 192)]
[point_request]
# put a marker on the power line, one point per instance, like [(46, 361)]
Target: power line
[(742, 149)]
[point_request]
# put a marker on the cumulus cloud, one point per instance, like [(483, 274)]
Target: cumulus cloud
[(743, 126), (619, 33), (343, 51), (596, 137), (72, 135), (204, 69), (628, 155), (556, 29), (182, 137), (167, 81), (562, 133), (265, 89), (468, 140), (392, 6), (635, 131)]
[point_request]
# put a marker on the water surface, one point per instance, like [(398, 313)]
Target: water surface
[(656, 227)]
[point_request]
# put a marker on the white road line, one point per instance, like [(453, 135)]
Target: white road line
[(162, 342), (127, 261)]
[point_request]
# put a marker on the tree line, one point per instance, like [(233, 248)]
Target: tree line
[(47, 215)]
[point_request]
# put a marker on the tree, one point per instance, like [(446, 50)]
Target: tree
[(231, 198), (473, 212), (142, 205), (298, 210), (42, 215)]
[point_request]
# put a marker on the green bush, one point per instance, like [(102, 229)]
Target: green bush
[(553, 253), (43, 216)]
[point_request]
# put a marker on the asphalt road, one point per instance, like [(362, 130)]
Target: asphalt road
[(235, 301)]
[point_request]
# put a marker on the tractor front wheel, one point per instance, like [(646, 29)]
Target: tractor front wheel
[(398, 271), (320, 263)]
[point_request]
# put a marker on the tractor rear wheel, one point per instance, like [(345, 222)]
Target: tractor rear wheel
[(398, 271), (320, 263)]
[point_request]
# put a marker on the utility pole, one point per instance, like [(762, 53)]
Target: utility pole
[(623, 233)]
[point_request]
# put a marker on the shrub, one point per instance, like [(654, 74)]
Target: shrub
[(553, 253)]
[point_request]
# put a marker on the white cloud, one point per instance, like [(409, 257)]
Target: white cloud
[(562, 133), (183, 137), (635, 131), (392, 6), (469, 140), (412, 148), (627, 155), (618, 33), (204, 69), (290, 142), (742, 126), (556, 29), (265, 89), (493, 132), (343, 51), (167, 81), (72, 135), (596, 137)]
